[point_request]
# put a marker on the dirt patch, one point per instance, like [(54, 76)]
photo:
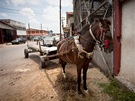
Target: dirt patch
[(30, 83)]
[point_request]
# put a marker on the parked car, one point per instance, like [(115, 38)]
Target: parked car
[(51, 40), (37, 38), (18, 41)]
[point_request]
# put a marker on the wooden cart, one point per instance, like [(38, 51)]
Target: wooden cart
[(46, 53)]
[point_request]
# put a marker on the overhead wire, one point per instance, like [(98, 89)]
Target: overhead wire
[(17, 11)]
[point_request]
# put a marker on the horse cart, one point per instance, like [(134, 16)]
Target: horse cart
[(46, 52)]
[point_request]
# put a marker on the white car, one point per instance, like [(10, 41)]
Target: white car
[(50, 40)]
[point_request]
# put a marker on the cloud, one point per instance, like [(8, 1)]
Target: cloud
[(22, 2), (37, 12), (64, 3), (51, 14), (3, 15), (28, 12)]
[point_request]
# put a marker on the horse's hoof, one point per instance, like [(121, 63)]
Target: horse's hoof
[(86, 92), (80, 95), (64, 75)]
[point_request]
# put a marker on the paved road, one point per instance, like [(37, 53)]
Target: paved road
[(22, 80), (10, 54)]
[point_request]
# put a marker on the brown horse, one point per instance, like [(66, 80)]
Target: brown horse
[(81, 54)]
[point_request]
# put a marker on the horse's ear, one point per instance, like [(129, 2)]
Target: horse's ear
[(103, 21), (96, 20), (108, 21)]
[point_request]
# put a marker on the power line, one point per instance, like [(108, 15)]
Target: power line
[(16, 11)]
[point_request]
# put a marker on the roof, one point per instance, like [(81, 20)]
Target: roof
[(33, 29), (15, 24), (7, 25), (69, 13)]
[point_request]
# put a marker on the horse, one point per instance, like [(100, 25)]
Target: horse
[(81, 54)]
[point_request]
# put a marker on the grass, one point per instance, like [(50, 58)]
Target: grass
[(117, 94)]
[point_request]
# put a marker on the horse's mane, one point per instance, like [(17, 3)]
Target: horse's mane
[(84, 29)]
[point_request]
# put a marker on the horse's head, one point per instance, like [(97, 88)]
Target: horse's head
[(102, 33)]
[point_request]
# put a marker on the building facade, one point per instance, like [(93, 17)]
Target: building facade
[(19, 26), (31, 32), (68, 29), (11, 29), (124, 44), (7, 33), (120, 62)]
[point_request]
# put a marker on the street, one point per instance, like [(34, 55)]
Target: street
[(23, 79)]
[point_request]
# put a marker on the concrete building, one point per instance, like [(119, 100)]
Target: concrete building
[(11, 29), (120, 62), (19, 26), (31, 32), (36, 32), (124, 42), (7, 33), (69, 25)]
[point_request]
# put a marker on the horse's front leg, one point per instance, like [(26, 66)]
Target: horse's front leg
[(85, 68), (63, 64), (79, 79)]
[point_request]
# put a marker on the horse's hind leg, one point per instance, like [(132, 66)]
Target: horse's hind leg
[(63, 64)]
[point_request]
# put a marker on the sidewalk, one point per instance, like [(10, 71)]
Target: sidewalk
[(5, 44)]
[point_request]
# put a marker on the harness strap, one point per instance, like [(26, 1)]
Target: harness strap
[(92, 34), (89, 55), (69, 59)]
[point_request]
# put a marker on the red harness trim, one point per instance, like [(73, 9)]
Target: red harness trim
[(107, 42), (100, 32)]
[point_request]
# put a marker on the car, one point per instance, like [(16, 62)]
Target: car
[(18, 41), (50, 40), (37, 38)]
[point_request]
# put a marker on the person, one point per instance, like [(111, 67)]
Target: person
[(54, 42), (75, 32)]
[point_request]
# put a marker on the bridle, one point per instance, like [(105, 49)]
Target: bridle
[(101, 42), (101, 33)]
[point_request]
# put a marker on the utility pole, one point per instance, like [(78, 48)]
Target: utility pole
[(41, 30), (28, 34), (60, 20)]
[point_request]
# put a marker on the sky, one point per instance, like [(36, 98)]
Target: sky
[(36, 12)]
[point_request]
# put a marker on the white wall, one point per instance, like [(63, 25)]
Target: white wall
[(127, 69), (21, 32)]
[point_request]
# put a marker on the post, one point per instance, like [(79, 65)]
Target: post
[(41, 30), (28, 35)]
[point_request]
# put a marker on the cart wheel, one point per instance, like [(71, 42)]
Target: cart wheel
[(42, 62), (26, 53)]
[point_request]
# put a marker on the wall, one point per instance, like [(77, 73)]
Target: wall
[(104, 61), (21, 32), (127, 69)]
